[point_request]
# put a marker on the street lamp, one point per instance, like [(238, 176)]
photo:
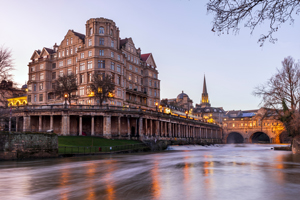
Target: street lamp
[(186, 112), (66, 96), (156, 104)]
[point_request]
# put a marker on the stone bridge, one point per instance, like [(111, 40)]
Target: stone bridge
[(111, 122)]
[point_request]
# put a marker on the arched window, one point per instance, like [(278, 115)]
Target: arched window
[(91, 31), (101, 30)]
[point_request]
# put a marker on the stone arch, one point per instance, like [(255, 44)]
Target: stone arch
[(234, 137), (260, 137)]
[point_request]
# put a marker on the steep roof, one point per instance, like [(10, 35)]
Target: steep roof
[(80, 35), (50, 51), (123, 42), (204, 86), (144, 57)]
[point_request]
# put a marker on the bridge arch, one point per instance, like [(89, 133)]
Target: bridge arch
[(260, 137), (234, 137)]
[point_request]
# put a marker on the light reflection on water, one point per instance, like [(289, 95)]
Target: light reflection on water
[(183, 172)]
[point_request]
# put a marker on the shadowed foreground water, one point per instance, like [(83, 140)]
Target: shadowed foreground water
[(183, 172)]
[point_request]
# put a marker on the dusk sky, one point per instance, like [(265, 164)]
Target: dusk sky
[(177, 33)]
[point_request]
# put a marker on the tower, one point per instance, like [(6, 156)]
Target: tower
[(204, 100)]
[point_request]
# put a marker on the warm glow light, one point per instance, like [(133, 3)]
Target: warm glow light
[(156, 104), (99, 90), (110, 94), (186, 112), (92, 94), (66, 95)]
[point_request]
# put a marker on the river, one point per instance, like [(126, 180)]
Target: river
[(226, 172)]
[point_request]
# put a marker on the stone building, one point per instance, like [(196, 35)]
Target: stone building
[(204, 109), (182, 102), (99, 51), (11, 95)]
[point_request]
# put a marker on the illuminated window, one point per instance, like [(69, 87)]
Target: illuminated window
[(129, 77)]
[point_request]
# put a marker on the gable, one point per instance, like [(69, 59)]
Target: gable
[(76, 38), (35, 55), (44, 53), (150, 61)]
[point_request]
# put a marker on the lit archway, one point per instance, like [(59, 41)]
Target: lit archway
[(234, 138), (260, 137)]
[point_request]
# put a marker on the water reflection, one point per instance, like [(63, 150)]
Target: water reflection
[(189, 172)]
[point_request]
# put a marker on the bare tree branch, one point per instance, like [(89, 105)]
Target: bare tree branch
[(229, 14), (66, 84)]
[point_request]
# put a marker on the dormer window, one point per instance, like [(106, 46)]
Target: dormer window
[(101, 30)]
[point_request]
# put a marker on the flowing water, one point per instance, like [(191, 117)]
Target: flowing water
[(182, 172)]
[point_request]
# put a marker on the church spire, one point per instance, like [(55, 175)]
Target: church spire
[(204, 100)]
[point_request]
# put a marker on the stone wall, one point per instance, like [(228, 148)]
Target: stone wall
[(28, 145)]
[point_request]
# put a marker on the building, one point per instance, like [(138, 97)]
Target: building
[(182, 102), (205, 111), (11, 95), (99, 51)]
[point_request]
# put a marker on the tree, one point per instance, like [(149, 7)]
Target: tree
[(102, 87), (229, 14), (6, 68), (282, 94), (66, 84)]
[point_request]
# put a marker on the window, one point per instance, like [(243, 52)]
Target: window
[(29, 98), (112, 54), (101, 41), (154, 83), (82, 55), (130, 67), (75, 49), (32, 69), (71, 40), (135, 79), (90, 53), (76, 59), (69, 62), (142, 81), (53, 65), (71, 51), (81, 78), (119, 68), (119, 57), (76, 70), (61, 73), (118, 80), (81, 91), (35, 98), (155, 93), (89, 77), (69, 72), (82, 66), (90, 42), (59, 54), (129, 57), (33, 77), (112, 66), (41, 86), (119, 94), (67, 52), (150, 102), (111, 32), (41, 76), (50, 96), (41, 66), (101, 30), (112, 44), (150, 74), (136, 69), (61, 63), (129, 77), (150, 83), (67, 41), (130, 86), (101, 64), (154, 75), (90, 64), (101, 52), (53, 75), (150, 92), (34, 87), (63, 53)]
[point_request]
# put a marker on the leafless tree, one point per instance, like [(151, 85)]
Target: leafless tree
[(66, 84), (282, 93), (229, 15), (103, 87)]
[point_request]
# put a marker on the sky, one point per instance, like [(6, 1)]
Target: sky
[(176, 32)]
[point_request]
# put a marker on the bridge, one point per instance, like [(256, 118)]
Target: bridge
[(111, 122)]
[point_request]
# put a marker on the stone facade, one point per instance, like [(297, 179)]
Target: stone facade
[(24, 146), (99, 51)]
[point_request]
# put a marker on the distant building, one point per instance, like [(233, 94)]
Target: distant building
[(204, 109), (12, 96), (99, 51), (182, 102)]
